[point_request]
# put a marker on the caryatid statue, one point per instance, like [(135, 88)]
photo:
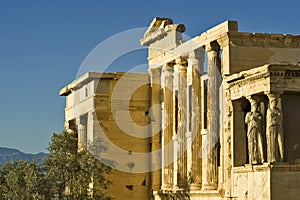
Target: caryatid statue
[(254, 120), (274, 130)]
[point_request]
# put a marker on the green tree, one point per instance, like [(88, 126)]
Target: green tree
[(65, 174), (22, 180), (71, 172)]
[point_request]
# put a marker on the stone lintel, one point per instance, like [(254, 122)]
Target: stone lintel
[(216, 33), (85, 78), (227, 26), (246, 39)]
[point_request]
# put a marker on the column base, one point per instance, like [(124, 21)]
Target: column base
[(195, 186), (181, 187), (166, 187), (209, 187)]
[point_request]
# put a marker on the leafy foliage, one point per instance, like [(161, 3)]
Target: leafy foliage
[(65, 174), (22, 180)]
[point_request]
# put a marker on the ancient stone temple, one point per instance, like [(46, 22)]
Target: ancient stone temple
[(220, 109)]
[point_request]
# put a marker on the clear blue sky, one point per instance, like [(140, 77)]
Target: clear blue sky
[(43, 43)]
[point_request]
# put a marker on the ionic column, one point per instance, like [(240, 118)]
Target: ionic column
[(168, 128), (275, 138), (155, 74), (82, 131), (91, 129), (210, 165), (181, 65), (196, 62)]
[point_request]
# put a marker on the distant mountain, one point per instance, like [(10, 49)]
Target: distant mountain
[(7, 154)]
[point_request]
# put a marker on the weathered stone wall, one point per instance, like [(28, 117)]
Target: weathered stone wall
[(285, 183), (251, 183), (115, 106), (291, 126), (250, 50)]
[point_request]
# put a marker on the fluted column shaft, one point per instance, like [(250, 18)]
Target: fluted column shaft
[(92, 126), (210, 165), (181, 64), (155, 127), (82, 131), (196, 62), (168, 128)]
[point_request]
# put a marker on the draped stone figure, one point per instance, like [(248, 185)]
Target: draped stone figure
[(254, 120), (275, 131)]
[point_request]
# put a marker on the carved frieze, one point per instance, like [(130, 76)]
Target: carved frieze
[(264, 40)]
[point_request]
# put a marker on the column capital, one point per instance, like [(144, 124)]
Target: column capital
[(212, 47), (196, 60), (193, 61), (278, 92), (274, 97), (81, 119), (70, 125), (180, 61), (154, 70), (196, 54), (273, 94), (155, 74), (92, 115), (274, 100), (254, 99), (168, 69)]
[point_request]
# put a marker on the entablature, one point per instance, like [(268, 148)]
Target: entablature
[(276, 78)]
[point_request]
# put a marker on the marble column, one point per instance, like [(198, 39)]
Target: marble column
[(155, 114), (181, 65), (210, 164), (196, 62), (275, 137), (82, 131), (91, 129), (168, 128)]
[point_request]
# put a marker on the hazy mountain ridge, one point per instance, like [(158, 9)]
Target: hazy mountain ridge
[(7, 154)]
